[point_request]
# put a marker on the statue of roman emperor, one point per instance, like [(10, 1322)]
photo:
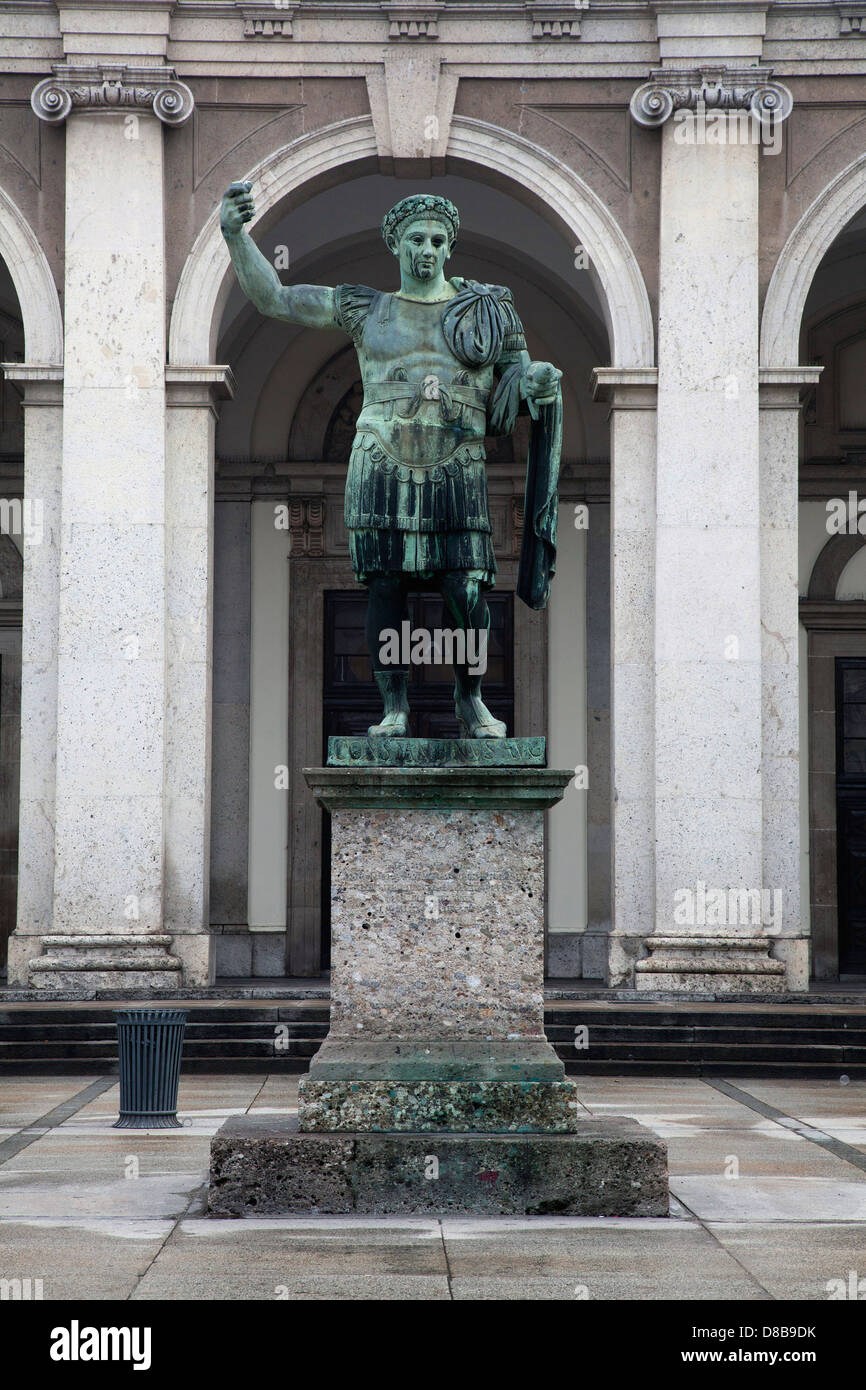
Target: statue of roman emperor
[(443, 363)]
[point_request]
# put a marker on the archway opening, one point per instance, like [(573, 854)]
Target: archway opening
[(832, 585)]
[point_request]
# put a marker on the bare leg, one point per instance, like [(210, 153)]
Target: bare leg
[(387, 608), (464, 595)]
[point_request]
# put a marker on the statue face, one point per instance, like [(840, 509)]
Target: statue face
[(423, 248)]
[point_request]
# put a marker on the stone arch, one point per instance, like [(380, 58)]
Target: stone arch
[(830, 565), (323, 396), (204, 283), (34, 285), (799, 259)]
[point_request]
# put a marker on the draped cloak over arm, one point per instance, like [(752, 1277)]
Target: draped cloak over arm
[(481, 326)]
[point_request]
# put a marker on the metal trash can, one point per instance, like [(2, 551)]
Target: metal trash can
[(149, 1045)]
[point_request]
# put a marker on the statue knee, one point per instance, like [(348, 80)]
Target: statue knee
[(464, 596)]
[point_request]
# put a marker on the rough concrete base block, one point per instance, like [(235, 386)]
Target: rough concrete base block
[(265, 1167), (481, 1106)]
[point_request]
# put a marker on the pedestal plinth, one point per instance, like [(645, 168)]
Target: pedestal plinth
[(437, 952), (711, 964), (436, 1062)]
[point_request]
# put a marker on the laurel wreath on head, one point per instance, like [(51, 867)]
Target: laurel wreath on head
[(421, 205)]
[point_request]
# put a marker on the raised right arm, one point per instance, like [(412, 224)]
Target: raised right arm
[(311, 305)]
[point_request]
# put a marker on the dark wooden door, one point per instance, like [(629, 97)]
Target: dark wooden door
[(851, 812), (351, 699)]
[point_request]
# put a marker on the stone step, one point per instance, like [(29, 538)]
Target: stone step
[(707, 1017), (602, 1035), (221, 1047), (696, 1052), (660, 1039), (195, 1032), (299, 1011)]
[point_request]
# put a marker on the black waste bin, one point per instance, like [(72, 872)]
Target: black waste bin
[(149, 1044)]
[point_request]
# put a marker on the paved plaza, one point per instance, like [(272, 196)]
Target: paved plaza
[(768, 1201)]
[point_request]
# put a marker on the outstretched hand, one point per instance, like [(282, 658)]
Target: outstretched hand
[(237, 208)]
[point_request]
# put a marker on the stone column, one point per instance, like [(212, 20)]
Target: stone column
[(43, 435), (632, 396), (192, 396), (781, 393), (109, 868), (711, 921)]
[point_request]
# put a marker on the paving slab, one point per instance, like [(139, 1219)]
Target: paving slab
[(839, 1111), (661, 1101), (206, 1248), (331, 1288), (278, 1093), (25, 1099), (81, 1259), (754, 1153), (800, 1261), (119, 1153), (518, 1289), (52, 1194), (650, 1258), (773, 1199)]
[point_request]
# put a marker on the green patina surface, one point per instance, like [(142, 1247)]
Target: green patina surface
[(436, 752), (491, 1107), (476, 788), (444, 363)]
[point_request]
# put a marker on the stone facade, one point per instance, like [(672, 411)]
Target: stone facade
[(666, 186)]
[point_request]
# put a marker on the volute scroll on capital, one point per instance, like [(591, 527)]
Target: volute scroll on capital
[(120, 88), (715, 88)]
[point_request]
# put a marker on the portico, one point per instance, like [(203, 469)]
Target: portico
[(177, 644)]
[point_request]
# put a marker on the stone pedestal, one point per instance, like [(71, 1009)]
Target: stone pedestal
[(436, 1059)]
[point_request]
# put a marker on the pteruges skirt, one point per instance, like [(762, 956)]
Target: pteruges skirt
[(420, 521)]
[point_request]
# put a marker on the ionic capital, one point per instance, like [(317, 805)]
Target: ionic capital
[(712, 89), (111, 87)]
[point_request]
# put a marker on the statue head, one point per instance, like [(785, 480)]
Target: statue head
[(421, 231)]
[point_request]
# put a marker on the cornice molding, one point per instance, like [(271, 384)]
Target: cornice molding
[(37, 383), (786, 388), (194, 387), (111, 87), (626, 388)]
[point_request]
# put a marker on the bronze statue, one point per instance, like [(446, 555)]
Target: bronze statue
[(443, 363)]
